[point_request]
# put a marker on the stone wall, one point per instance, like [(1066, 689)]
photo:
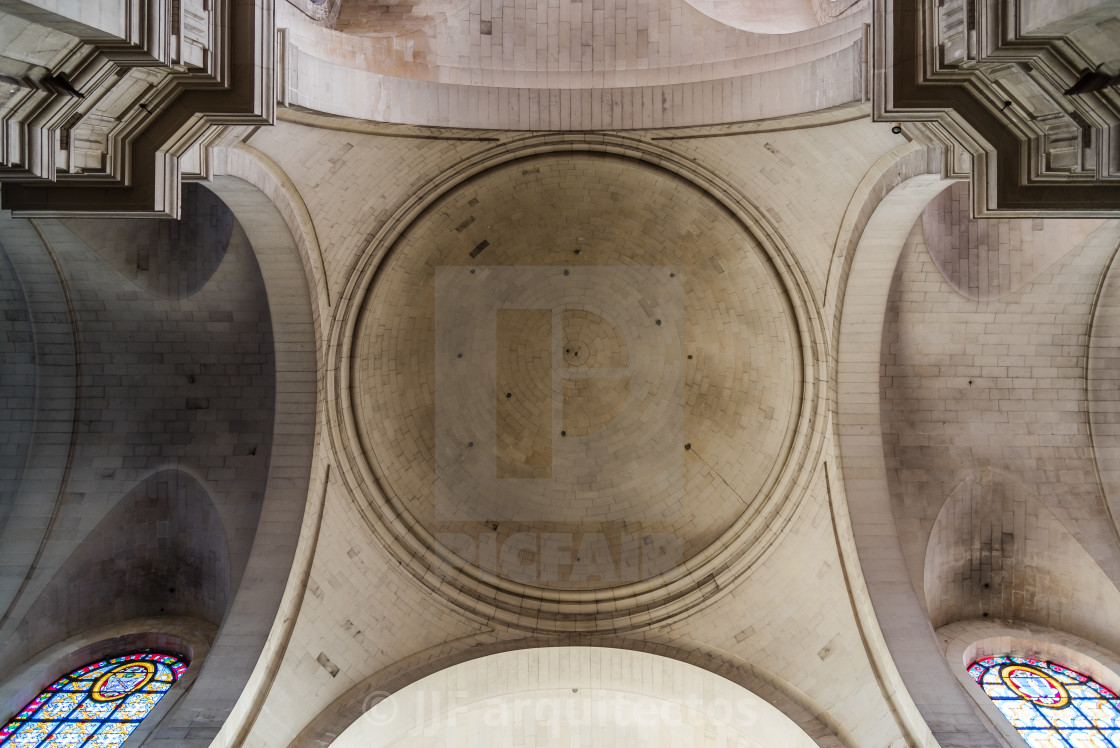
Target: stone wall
[(149, 502)]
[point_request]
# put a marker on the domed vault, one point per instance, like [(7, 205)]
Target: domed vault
[(574, 372)]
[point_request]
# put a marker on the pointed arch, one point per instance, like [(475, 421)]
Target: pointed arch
[(99, 704)]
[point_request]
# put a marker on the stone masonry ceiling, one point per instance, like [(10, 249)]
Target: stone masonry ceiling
[(575, 371), (374, 17), (575, 65)]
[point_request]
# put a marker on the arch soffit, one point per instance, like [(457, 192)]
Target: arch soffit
[(54, 429), (1103, 385), (663, 597), (812, 718), (645, 678), (752, 36), (862, 287), (288, 279), (891, 170), (761, 16), (244, 163)]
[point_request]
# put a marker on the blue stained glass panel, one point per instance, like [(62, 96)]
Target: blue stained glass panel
[(1071, 718), (93, 710), (1000, 691), (1045, 739), (1050, 705), (96, 706), (1024, 715), (60, 706)]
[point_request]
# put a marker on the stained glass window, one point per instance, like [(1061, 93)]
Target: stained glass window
[(97, 706), (1051, 706)]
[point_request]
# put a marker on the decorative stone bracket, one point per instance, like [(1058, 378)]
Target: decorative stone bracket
[(987, 80), (145, 82)]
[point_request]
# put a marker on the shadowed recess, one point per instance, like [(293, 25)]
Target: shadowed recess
[(987, 258), (995, 551), (168, 259), (17, 384), (161, 551)]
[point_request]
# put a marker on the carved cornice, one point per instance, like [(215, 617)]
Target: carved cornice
[(987, 87), (113, 144)]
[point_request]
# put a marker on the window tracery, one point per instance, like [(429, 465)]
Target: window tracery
[(96, 706), (1050, 705)]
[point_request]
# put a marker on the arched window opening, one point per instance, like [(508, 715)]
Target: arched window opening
[(1050, 705), (97, 706)]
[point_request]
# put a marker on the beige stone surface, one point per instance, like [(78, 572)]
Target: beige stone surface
[(617, 697), (705, 400), (1010, 374), (605, 346), (566, 67), (986, 258), (743, 626)]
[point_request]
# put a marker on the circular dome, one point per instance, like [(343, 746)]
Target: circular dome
[(388, 17), (761, 16), (575, 371)]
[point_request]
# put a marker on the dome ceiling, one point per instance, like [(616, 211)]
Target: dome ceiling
[(761, 16), (575, 372)]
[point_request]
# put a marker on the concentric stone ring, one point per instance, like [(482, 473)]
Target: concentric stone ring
[(525, 412)]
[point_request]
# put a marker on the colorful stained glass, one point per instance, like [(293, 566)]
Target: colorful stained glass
[(97, 706), (1050, 705)]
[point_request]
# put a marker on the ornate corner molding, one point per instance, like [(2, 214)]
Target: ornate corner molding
[(988, 79), (105, 131)]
